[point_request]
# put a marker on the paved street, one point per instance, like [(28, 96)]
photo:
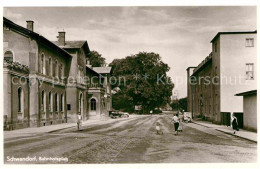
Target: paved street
[(133, 140)]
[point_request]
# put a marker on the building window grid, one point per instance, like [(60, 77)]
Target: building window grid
[(50, 102), (56, 102), (249, 71), (249, 42), (43, 103), (61, 70), (50, 66), (62, 103), (43, 66), (57, 69), (8, 55)]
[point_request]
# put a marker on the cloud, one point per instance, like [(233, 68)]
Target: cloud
[(181, 35), (12, 15)]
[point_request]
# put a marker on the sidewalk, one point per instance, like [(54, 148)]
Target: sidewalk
[(48, 129), (248, 135)]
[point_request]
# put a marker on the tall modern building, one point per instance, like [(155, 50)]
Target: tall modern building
[(228, 70)]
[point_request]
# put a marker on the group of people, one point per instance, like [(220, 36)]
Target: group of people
[(177, 127), (175, 120)]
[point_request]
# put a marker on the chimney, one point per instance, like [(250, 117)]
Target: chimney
[(61, 38), (30, 25)]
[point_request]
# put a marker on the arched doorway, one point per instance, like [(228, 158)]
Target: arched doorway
[(93, 104)]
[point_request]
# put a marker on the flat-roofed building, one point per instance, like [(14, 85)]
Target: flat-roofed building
[(229, 69)]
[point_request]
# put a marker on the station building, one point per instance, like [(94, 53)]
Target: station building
[(45, 83)]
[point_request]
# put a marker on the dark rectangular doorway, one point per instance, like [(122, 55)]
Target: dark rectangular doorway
[(240, 119), (225, 118)]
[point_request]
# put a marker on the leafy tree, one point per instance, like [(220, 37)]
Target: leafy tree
[(121, 101), (96, 60), (145, 80)]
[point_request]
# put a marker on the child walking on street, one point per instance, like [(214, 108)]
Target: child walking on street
[(158, 128)]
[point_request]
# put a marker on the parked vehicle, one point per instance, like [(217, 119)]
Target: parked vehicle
[(124, 114), (157, 111), (116, 114), (187, 117)]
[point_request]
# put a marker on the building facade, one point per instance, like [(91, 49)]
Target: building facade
[(44, 81), (189, 89), (76, 86), (229, 69)]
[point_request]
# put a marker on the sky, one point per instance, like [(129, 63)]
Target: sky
[(181, 35)]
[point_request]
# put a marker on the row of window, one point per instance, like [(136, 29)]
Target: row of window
[(249, 74), (47, 67), (249, 42), (50, 68), (58, 102), (92, 103), (8, 55)]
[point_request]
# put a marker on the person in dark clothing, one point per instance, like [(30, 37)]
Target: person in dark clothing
[(234, 124), (176, 121)]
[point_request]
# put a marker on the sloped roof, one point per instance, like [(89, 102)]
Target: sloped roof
[(247, 93), (75, 45), (93, 71), (102, 70), (71, 44), (35, 36)]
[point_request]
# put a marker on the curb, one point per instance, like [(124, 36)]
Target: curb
[(70, 127), (60, 129), (200, 124), (225, 132), (237, 136)]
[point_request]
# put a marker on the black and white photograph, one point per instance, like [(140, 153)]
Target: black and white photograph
[(129, 84)]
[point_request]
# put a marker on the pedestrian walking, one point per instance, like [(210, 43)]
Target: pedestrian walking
[(79, 121), (175, 120), (234, 123), (158, 128)]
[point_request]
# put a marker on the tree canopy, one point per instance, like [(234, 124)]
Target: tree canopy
[(96, 59), (142, 81)]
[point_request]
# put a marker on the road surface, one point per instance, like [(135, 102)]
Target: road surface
[(132, 140)]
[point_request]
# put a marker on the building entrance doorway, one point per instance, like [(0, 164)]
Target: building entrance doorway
[(240, 119), (225, 118)]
